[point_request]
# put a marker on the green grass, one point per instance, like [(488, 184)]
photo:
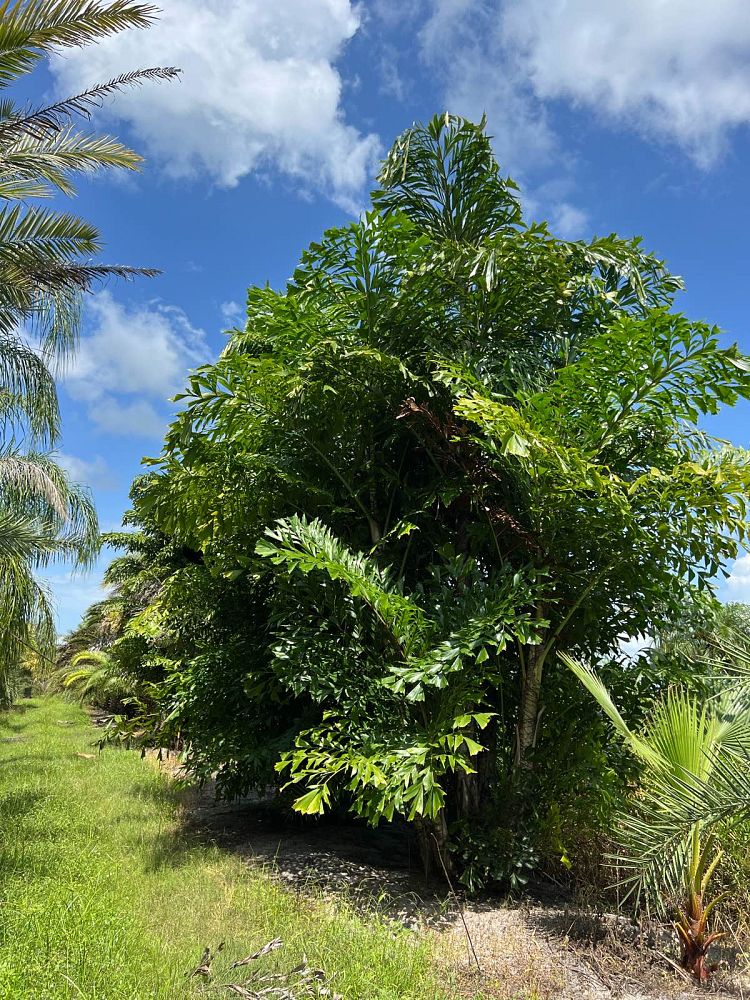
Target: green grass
[(103, 898)]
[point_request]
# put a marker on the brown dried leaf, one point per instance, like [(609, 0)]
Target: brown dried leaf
[(271, 946)]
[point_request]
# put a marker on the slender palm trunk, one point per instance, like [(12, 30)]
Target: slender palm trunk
[(432, 837), (692, 925), (531, 686)]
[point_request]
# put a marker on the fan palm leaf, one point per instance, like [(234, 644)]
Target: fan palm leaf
[(669, 854)]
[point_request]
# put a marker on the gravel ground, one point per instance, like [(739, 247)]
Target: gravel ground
[(550, 950)]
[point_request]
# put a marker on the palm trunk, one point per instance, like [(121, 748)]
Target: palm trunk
[(528, 712), (468, 792), (432, 837), (696, 940)]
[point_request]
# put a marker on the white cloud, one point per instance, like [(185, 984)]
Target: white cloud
[(137, 419), (131, 362), (392, 84), (94, 472), (674, 69), (568, 221), (74, 592), (259, 89), (394, 13), (462, 42), (144, 349), (231, 312), (737, 585), (519, 125)]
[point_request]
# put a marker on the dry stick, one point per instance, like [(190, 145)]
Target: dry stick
[(458, 902), (678, 969)]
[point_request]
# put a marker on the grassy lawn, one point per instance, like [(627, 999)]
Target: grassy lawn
[(101, 898)]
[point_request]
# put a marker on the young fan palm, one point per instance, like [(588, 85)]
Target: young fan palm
[(685, 747), (47, 262)]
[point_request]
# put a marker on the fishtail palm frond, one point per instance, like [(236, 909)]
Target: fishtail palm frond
[(308, 546), (443, 175)]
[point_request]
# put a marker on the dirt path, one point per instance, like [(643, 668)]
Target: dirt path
[(537, 950)]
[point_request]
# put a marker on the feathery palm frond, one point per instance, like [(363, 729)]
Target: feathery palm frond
[(40, 122), (21, 541), (25, 480), (36, 489), (40, 167), (31, 28), (47, 262), (46, 257), (100, 626), (26, 617), (43, 517), (28, 398), (94, 675)]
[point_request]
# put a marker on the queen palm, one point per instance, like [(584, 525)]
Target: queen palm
[(87, 661), (43, 516), (47, 263)]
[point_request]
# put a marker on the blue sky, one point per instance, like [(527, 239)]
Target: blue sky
[(613, 117)]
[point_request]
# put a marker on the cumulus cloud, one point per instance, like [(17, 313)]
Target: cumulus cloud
[(93, 472), (676, 69), (131, 361), (523, 136), (259, 90), (569, 221), (461, 41), (137, 419), (737, 585)]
